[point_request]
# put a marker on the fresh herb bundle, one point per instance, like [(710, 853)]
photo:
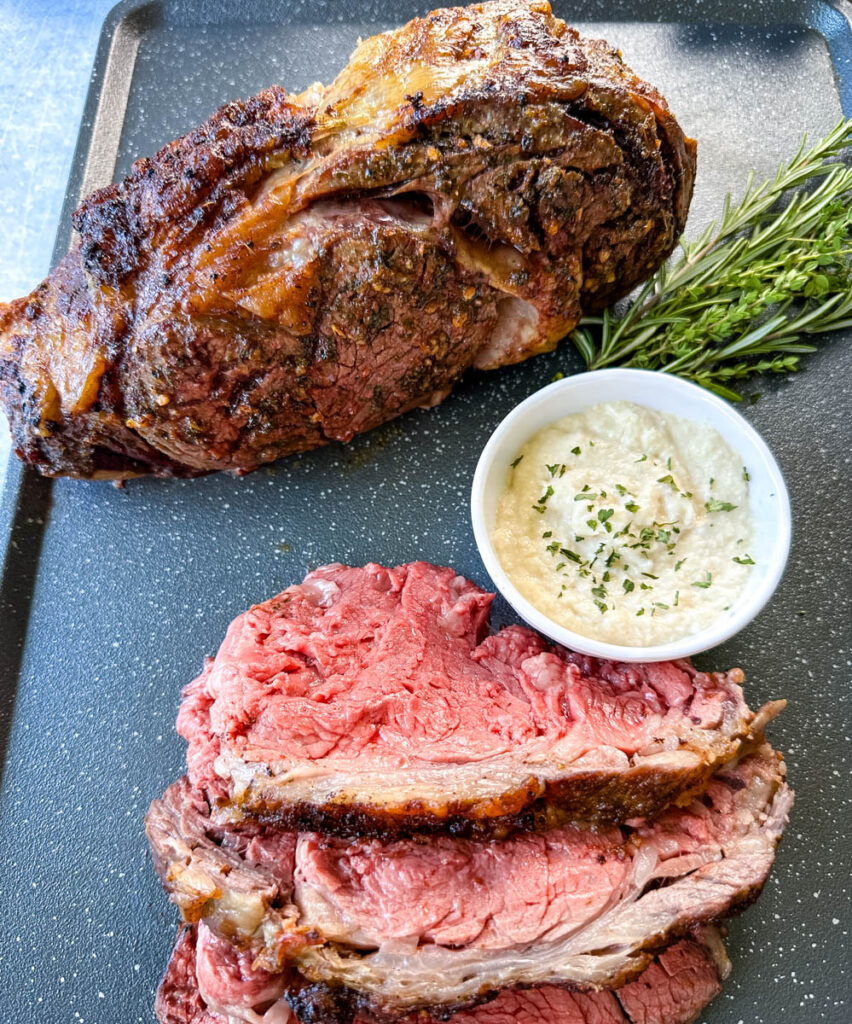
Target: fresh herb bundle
[(772, 271)]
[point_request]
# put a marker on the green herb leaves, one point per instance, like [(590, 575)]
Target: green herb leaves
[(714, 505), (749, 292)]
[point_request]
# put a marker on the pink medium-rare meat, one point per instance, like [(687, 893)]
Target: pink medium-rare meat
[(373, 701), (384, 929), (673, 990), (462, 892)]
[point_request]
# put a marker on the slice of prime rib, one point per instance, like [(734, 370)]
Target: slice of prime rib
[(209, 982), (298, 269), (387, 929), (372, 701)]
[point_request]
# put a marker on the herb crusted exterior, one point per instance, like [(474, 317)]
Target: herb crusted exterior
[(302, 268)]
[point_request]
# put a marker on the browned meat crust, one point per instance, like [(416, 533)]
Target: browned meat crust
[(598, 797), (302, 268)]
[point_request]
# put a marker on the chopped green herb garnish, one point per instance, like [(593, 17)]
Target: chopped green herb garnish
[(679, 564), (748, 560), (643, 459), (628, 585), (669, 462), (667, 479), (517, 460), (640, 612), (631, 506), (601, 606), (705, 583), (575, 451), (676, 598), (605, 513), (547, 533), (746, 476), (714, 505)]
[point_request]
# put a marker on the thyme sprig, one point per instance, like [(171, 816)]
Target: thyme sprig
[(775, 269)]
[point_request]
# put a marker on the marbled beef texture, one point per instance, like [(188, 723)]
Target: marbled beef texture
[(301, 268), (376, 701)]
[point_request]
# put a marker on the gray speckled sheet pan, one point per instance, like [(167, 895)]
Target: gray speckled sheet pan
[(110, 598)]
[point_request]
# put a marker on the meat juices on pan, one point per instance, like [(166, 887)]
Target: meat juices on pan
[(384, 929), (298, 269), (673, 990), (372, 701)]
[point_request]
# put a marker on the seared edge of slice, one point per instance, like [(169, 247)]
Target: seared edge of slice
[(678, 984), (343, 927)]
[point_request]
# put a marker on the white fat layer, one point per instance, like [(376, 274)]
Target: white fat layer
[(515, 334), (318, 783)]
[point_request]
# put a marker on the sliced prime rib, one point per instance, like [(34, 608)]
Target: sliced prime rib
[(672, 990), (301, 268), (385, 929), (372, 701)]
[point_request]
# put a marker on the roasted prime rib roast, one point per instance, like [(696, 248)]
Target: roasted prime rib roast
[(209, 982), (392, 815), (301, 268), (383, 930), (374, 701)]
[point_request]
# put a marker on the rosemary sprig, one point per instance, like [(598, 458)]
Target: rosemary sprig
[(740, 299)]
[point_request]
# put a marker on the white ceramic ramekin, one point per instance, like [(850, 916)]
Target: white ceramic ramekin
[(770, 503)]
